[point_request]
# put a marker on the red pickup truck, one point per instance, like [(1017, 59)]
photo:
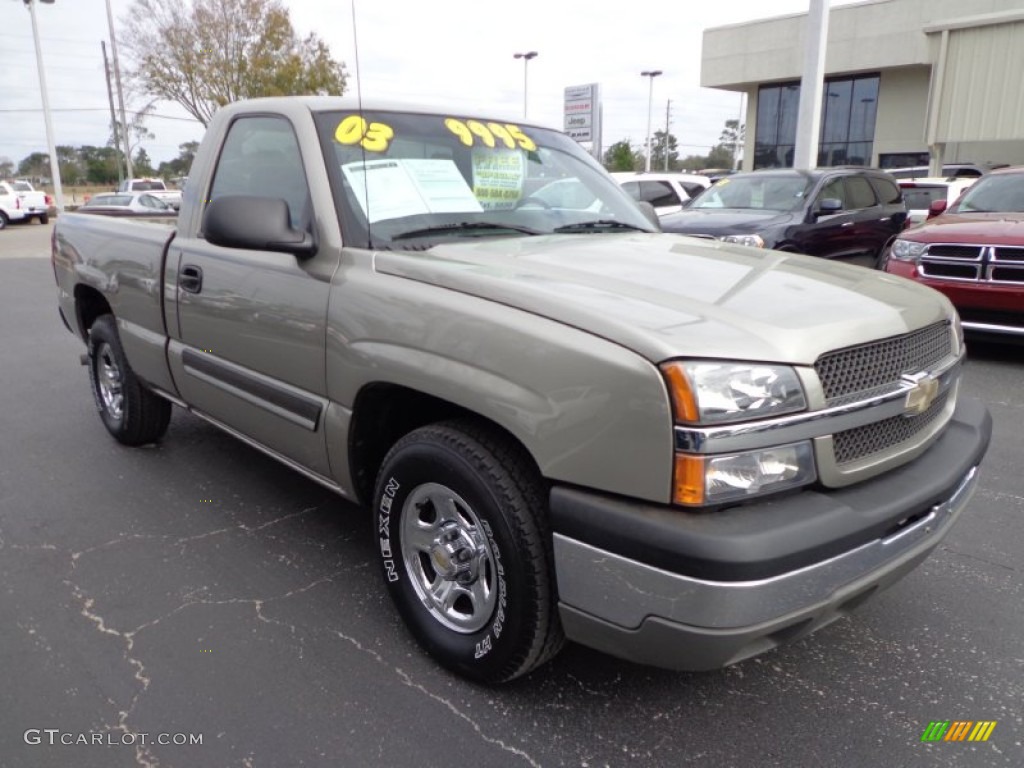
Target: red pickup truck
[(974, 253)]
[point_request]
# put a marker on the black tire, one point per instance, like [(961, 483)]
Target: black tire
[(129, 411), (44, 218), (461, 513), (4, 221)]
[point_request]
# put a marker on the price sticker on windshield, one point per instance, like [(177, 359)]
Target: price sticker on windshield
[(373, 137), (471, 132)]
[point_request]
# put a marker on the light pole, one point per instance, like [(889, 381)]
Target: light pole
[(651, 74), (526, 61), (58, 192), (120, 95)]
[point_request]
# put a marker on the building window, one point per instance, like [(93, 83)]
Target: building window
[(848, 110)]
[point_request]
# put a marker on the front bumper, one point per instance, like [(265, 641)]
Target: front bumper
[(671, 614)]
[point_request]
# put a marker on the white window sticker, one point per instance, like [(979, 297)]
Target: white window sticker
[(391, 189)]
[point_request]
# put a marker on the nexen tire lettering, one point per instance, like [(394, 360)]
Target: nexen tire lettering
[(486, 644), (383, 528)]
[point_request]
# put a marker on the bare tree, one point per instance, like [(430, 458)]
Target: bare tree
[(204, 54)]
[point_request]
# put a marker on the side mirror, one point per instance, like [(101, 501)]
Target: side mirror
[(648, 210), (936, 207), (829, 206), (254, 223)]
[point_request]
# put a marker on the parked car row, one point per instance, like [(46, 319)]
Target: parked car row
[(115, 203)]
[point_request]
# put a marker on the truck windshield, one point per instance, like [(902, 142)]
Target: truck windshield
[(406, 180)]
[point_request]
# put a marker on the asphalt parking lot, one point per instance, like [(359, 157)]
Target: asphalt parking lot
[(197, 587)]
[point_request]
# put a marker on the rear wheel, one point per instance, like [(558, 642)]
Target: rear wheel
[(44, 218), (129, 411), (466, 550), (4, 221)]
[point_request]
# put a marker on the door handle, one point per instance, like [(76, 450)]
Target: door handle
[(191, 279)]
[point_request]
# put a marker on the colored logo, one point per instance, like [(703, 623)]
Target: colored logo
[(958, 730)]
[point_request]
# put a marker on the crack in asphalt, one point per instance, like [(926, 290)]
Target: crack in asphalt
[(409, 682), (980, 559), (143, 756)]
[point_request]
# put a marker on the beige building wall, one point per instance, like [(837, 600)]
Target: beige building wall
[(902, 108), (901, 40)]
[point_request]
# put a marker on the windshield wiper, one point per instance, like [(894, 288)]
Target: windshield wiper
[(463, 226), (598, 224)]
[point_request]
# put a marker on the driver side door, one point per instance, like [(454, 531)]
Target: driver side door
[(248, 350)]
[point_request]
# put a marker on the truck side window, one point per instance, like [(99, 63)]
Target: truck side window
[(261, 158)]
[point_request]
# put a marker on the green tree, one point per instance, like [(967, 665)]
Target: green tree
[(35, 166), (180, 165), (720, 157), (142, 164), (70, 164), (621, 156), (6, 167), (100, 164), (658, 145), (204, 54), (729, 144), (137, 131)]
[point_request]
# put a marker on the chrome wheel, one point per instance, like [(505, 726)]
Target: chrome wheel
[(448, 558), (110, 381)]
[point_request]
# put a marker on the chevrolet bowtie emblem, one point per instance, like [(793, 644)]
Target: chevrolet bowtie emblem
[(920, 398)]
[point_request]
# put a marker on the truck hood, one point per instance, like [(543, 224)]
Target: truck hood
[(666, 296), (981, 228), (722, 221)]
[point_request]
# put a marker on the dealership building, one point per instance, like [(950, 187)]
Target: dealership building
[(905, 81)]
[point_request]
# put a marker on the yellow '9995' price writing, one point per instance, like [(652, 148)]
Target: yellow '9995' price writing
[(471, 130), (373, 137)]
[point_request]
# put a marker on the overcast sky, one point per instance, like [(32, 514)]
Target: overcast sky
[(444, 51)]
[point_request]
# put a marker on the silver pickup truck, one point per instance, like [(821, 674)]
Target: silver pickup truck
[(566, 424)]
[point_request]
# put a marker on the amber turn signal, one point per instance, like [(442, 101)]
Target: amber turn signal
[(684, 404), (688, 480)]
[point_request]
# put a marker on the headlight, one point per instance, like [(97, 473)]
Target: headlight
[(703, 480), (708, 392), (907, 250), (754, 241)]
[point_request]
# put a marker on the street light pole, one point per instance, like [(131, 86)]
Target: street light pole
[(58, 192), (526, 61), (651, 74)]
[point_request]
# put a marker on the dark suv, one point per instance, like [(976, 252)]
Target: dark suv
[(830, 212)]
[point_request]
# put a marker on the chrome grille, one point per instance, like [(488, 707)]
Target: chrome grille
[(866, 367), (862, 442), (974, 263), (952, 251)]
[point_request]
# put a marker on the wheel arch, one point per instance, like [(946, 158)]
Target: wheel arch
[(384, 413), (90, 304)]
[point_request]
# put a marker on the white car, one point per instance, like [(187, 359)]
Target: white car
[(919, 194), (127, 202), (155, 187), (10, 205), (667, 192)]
